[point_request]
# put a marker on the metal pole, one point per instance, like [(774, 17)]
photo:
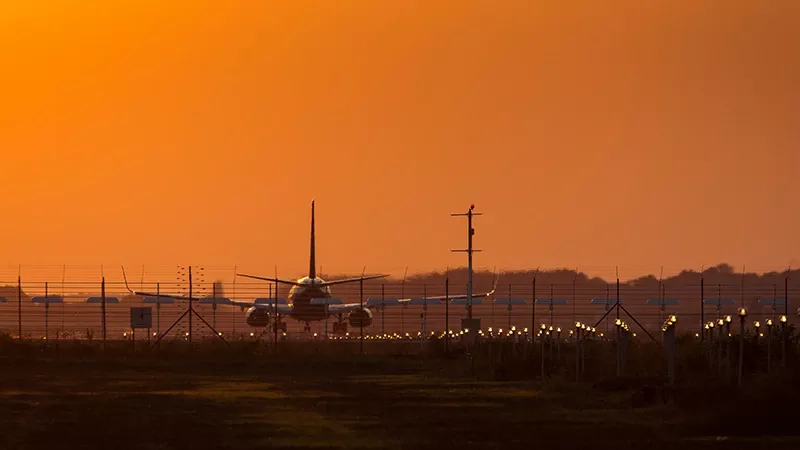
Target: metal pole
[(786, 296), (383, 310), (470, 232), (424, 309), (741, 348), (275, 308), (191, 311), (361, 300), (103, 300), (214, 305), (447, 314), (509, 307), (46, 312), (19, 304), (533, 312), (158, 308), (702, 309)]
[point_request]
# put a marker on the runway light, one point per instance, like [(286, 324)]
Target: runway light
[(220, 333), (720, 322), (252, 334), (577, 324), (783, 319), (154, 334), (674, 319), (757, 324), (742, 312), (550, 329), (558, 329), (728, 319), (543, 327), (618, 322), (769, 322)]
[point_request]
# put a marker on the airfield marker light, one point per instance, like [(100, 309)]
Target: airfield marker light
[(346, 334), (519, 333), (674, 319), (783, 319), (466, 330), (634, 334), (124, 334), (618, 323), (711, 324), (550, 329), (706, 326), (577, 324), (251, 334), (513, 328), (720, 322), (742, 312), (697, 335), (558, 329), (729, 335), (315, 334), (757, 324), (769, 322), (728, 319), (500, 331), (220, 333), (154, 334), (570, 332), (543, 327), (284, 334), (583, 326), (760, 334), (490, 329)]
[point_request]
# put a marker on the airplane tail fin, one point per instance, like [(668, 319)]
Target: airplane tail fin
[(312, 265)]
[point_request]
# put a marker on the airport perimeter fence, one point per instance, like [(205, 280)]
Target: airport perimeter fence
[(23, 312)]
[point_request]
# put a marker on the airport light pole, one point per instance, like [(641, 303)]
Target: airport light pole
[(469, 250)]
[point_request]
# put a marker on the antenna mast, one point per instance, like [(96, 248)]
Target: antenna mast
[(469, 250)]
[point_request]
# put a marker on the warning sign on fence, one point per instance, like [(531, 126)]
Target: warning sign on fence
[(141, 317)]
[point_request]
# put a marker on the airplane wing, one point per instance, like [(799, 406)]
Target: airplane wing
[(273, 280), (154, 294), (349, 307), (282, 309), (352, 280)]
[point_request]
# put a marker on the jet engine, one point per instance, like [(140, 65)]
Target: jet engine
[(361, 319), (258, 317)]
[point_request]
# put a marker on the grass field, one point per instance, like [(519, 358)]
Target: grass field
[(171, 401)]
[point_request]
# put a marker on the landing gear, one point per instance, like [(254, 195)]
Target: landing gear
[(340, 326)]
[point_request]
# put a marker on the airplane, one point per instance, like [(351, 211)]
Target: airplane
[(306, 300)]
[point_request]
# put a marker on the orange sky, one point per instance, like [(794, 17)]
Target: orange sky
[(590, 134)]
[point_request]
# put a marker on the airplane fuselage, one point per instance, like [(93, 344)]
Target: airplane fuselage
[(300, 299)]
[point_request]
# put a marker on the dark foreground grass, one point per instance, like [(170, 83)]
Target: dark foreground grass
[(162, 402)]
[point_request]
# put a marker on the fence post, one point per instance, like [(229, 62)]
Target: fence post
[(19, 304)]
